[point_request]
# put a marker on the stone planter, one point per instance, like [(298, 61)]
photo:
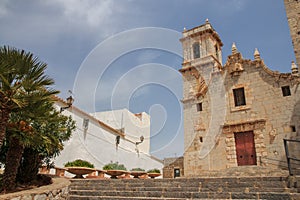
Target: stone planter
[(114, 173), (79, 171), (153, 175), (126, 175), (101, 173), (59, 171), (94, 174), (44, 170), (137, 174)]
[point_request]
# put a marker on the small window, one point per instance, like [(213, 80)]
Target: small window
[(286, 91), (217, 51), (199, 107), (293, 128), (239, 97), (196, 50), (201, 139)]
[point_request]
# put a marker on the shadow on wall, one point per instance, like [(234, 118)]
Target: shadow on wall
[(294, 147), (295, 119)]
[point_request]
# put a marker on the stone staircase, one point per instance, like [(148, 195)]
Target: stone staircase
[(183, 188)]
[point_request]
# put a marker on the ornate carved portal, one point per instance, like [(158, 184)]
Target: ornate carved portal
[(257, 128)]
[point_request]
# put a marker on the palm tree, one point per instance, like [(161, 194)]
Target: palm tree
[(23, 89), (21, 76), (40, 130)]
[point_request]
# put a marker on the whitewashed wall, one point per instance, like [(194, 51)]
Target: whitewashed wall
[(135, 125), (97, 144)]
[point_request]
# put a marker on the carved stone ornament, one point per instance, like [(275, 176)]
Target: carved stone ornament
[(234, 64), (201, 87), (198, 89)]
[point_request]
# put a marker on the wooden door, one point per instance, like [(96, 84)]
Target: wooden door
[(245, 148)]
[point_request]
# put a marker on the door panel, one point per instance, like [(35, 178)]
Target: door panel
[(245, 148)]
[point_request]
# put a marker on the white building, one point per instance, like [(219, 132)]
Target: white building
[(135, 125), (104, 137)]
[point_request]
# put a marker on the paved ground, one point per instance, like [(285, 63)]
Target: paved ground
[(57, 184)]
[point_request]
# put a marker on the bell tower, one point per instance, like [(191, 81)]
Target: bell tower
[(200, 42), (202, 58), (293, 16)]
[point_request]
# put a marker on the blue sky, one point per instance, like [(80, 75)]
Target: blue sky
[(104, 52)]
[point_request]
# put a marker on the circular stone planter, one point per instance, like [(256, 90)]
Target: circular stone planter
[(137, 174), (44, 170), (114, 173), (153, 175), (101, 173), (59, 171), (79, 171)]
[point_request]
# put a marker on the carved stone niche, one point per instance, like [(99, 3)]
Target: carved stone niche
[(234, 65), (236, 69)]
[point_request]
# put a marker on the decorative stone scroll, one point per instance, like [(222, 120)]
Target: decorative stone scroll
[(200, 88)]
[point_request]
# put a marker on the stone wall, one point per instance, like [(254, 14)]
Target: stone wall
[(170, 164), (292, 8)]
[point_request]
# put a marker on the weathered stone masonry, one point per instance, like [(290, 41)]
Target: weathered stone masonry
[(292, 8), (227, 105)]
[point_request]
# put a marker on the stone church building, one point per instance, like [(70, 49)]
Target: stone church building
[(237, 113)]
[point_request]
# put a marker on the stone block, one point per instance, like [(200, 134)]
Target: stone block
[(40, 197)]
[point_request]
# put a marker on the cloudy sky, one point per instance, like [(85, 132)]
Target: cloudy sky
[(126, 53)]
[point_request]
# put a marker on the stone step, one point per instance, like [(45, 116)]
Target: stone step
[(186, 195), (183, 184), (183, 189), (180, 180), (194, 196), (73, 197), (187, 184)]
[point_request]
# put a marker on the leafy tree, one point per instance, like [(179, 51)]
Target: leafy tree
[(52, 132)]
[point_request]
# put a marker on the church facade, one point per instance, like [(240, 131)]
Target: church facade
[(237, 113)]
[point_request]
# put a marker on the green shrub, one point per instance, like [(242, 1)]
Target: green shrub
[(114, 166), (153, 171), (137, 169), (79, 163)]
